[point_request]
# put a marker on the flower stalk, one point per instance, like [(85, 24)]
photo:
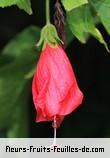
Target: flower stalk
[(55, 131), (47, 11)]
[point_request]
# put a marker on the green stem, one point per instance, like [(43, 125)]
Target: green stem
[(47, 11)]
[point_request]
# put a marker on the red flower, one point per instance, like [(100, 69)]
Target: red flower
[(55, 90)]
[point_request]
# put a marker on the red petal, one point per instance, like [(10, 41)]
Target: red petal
[(55, 90)]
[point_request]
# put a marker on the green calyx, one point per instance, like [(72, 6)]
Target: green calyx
[(49, 36)]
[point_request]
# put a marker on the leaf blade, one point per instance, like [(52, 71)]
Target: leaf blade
[(7, 3), (12, 75), (25, 5), (22, 4), (81, 24), (72, 4), (102, 8)]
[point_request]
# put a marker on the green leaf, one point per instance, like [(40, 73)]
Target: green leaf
[(7, 3), (71, 4), (69, 35), (19, 127), (81, 23), (12, 82), (22, 4), (26, 5), (14, 86), (4, 59), (22, 43), (102, 8)]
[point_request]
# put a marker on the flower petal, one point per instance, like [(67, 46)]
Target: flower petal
[(55, 90)]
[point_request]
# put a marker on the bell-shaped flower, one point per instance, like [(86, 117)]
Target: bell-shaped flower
[(54, 88)]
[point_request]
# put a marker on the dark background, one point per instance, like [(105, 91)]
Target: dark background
[(91, 64)]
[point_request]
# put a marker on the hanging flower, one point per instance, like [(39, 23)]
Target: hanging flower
[(54, 88)]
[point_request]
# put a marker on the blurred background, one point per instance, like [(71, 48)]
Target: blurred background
[(91, 64)]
